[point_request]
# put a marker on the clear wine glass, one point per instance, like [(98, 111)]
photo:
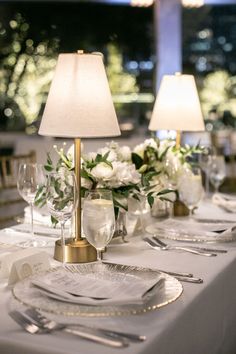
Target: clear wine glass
[(98, 219), (205, 160), (62, 199), (217, 171), (190, 188), (30, 177)]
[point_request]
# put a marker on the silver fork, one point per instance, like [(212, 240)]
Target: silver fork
[(163, 246), (204, 249), (44, 321), (32, 327)]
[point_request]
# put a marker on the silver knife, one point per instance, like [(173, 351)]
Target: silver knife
[(190, 280), (209, 249), (214, 221)]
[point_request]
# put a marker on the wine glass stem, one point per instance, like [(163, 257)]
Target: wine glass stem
[(32, 218), (191, 213), (207, 184), (63, 244), (99, 256)]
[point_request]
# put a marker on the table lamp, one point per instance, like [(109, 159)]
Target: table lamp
[(177, 106), (79, 105)]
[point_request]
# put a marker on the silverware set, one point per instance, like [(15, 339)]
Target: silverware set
[(33, 322), (158, 244), (155, 243)]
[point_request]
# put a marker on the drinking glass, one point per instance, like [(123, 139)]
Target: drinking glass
[(98, 219), (217, 171), (205, 159), (190, 188), (62, 199), (30, 177)]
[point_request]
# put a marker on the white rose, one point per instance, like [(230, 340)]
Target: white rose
[(112, 145), (91, 156), (126, 173), (164, 144), (102, 171), (139, 150), (125, 153), (112, 154), (150, 142)]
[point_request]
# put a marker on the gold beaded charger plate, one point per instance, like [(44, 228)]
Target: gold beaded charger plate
[(171, 289)]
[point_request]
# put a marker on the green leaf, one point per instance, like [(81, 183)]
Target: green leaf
[(161, 157), (49, 160), (150, 199), (137, 160), (165, 191), (98, 158), (147, 177), (54, 221), (48, 168), (106, 155), (119, 205), (143, 169)]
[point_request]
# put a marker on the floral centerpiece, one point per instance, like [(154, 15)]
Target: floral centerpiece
[(110, 168), (161, 165), (145, 172)]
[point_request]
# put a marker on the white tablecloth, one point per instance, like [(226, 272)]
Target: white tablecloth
[(201, 321)]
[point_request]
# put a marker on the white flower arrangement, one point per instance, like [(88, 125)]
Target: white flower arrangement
[(145, 171), (110, 167), (162, 164)]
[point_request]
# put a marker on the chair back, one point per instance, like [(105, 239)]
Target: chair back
[(9, 166), (11, 204)]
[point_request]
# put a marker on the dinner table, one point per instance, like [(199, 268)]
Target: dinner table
[(201, 320)]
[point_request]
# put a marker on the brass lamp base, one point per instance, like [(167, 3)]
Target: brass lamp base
[(76, 251)]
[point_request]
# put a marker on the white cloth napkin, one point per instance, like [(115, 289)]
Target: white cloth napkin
[(100, 289), (224, 201)]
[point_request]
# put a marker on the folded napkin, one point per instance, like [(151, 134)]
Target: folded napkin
[(226, 202), (97, 290)]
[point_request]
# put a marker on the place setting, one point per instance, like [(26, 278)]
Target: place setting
[(78, 290)]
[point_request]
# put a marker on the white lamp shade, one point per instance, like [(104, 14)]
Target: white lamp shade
[(79, 103), (177, 105)]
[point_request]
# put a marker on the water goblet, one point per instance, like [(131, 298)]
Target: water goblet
[(62, 199), (190, 188), (98, 219), (205, 160), (30, 178), (217, 171)]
